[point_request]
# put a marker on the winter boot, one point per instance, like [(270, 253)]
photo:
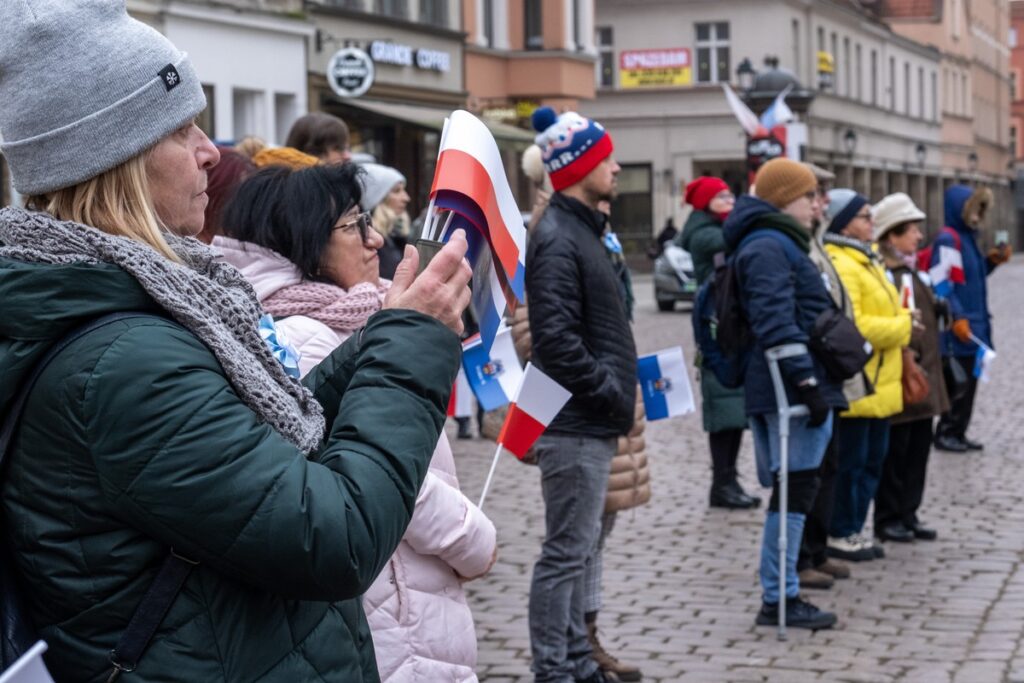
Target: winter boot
[(608, 663)]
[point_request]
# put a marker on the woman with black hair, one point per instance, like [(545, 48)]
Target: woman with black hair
[(298, 236)]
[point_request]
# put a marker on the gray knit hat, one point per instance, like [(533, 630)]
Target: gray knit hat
[(85, 88), (378, 181)]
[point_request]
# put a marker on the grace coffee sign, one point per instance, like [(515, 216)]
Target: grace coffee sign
[(350, 72)]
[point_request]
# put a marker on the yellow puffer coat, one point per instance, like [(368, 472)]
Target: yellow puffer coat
[(882, 321)]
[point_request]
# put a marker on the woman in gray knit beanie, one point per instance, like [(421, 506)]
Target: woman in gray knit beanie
[(182, 425)]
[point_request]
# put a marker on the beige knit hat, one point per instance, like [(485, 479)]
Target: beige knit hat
[(892, 212), (782, 180)]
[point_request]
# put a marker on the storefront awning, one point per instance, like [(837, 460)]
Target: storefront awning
[(433, 119)]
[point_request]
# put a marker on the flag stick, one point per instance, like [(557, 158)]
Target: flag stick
[(980, 343), (490, 475), (428, 220)]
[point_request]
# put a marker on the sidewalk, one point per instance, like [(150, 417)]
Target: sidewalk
[(680, 580)]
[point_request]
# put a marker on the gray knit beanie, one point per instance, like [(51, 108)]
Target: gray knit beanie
[(85, 88), (378, 181)]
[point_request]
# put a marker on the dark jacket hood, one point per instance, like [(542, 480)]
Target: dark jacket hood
[(744, 218), (953, 204), (697, 221)]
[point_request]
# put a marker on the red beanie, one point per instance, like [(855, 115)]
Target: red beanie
[(701, 191)]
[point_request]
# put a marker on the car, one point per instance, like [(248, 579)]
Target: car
[(674, 279)]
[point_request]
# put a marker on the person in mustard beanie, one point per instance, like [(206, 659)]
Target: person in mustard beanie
[(887, 326), (782, 294)]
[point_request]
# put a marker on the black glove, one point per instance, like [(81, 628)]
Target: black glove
[(811, 396)]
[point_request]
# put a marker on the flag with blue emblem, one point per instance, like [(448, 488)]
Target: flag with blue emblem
[(494, 377), (664, 384)]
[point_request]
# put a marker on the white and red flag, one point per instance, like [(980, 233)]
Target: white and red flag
[(536, 404), (537, 401)]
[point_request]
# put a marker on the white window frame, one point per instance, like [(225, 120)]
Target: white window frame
[(713, 43)]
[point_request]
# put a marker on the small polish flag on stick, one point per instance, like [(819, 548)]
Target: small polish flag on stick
[(907, 292), (535, 405), (29, 668)]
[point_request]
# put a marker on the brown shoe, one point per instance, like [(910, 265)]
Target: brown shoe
[(812, 578), (834, 568), (609, 664)]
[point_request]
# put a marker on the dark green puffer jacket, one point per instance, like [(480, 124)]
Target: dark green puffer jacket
[(134, 442)]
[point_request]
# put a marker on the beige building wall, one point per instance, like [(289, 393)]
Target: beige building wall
[(682, 132)]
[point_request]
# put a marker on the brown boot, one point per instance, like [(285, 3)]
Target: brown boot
[(609, 664), (834, 568), (812, 578)]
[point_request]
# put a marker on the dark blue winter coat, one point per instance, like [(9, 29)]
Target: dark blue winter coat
[(969, 300), (782, 294)]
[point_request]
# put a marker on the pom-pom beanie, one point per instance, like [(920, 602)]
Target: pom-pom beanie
[(571, 145)]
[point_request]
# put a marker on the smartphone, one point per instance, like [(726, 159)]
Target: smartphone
[(1002, 237), (427, 250)]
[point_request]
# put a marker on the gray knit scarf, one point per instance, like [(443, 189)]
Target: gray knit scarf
[(209, 298), (852, 243)]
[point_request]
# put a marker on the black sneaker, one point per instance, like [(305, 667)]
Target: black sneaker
[(799, 614), (596, 677)]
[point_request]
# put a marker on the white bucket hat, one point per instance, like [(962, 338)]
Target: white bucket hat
[(893, 211)]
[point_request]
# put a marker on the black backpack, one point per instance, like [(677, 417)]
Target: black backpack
[(720, 327), (17, 633)]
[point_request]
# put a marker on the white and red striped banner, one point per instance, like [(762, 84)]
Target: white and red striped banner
[(536, 404)]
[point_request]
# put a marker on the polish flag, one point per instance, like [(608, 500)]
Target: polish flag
[(536, 404), (470, 180), (461, 402), (29, 668), (948, 271)]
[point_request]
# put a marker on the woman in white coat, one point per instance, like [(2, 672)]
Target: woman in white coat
[(314, 267)]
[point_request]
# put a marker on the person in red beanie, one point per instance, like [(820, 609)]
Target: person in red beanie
[(722, 408)]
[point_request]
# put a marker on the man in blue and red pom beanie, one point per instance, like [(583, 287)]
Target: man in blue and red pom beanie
[(581, 339)]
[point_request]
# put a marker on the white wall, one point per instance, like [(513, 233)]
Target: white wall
[(253, 62)]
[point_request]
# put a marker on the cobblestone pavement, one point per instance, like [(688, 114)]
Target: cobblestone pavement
[(680, 579)]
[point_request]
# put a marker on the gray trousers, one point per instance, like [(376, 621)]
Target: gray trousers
[(574, 479)]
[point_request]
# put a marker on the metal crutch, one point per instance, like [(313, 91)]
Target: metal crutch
[(786, 413)]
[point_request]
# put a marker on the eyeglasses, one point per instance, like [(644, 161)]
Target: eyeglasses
[(864, 216), (725, 196), (362, 223)]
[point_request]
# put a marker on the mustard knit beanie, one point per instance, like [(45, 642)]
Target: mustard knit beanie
[(284, 156), (782, 180)]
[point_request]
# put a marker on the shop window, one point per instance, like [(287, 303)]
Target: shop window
[(434, 12), (249, 113), (1013, 85), (205, 118), (1013, 142), (633, 210), (604, 37), (398, 9), (920, 91), (712, 52), (892, 83), (285, 112), (534, 23)]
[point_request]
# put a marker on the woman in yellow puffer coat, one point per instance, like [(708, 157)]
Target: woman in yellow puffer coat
[(863, 431)]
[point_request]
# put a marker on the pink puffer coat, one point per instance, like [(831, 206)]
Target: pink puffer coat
[(422, 626)]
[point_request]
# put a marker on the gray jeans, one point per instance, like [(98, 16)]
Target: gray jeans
[(574, 480)]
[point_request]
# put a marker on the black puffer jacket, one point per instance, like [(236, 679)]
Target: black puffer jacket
[(580, 329)]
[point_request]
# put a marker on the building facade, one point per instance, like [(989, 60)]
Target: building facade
[(522, 53), (973, 38), (406, 63), (874, 118), (251, 57)]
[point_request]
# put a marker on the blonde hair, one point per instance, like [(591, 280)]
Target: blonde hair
[(116, 201)]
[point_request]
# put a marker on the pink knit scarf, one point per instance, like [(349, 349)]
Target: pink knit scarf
[(342, 310)]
